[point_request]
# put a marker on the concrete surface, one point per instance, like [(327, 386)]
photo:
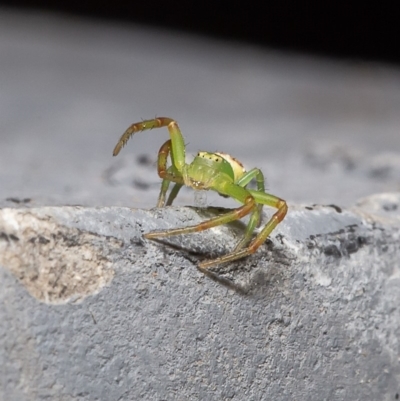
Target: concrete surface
[(91, 311), (312, 315)]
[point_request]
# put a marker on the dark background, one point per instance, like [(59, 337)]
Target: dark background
[(367, 31)]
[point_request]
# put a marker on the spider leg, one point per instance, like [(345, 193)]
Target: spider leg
[(241, 194), (249, 175), (265, 199), (168, 175), (174, 192), (251, 226), (243, 182), (177, 142)]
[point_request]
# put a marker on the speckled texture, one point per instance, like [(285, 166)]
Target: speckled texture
[(312, 315)]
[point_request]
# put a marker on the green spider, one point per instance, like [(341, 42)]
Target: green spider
[(219, 172)]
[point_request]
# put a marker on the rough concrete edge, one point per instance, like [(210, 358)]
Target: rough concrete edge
[(63, 254)]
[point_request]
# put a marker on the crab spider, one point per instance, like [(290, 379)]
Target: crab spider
[(219, 172)]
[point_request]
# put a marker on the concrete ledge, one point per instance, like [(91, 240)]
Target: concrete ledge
[(90, 310)]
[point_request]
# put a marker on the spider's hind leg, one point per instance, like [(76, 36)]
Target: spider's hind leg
[(279, 215), (255, 218), (243, 181)]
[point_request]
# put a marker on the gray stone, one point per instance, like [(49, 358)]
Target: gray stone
[(91, 310)]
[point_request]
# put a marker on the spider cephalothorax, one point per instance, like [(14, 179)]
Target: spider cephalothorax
[(219, 172)]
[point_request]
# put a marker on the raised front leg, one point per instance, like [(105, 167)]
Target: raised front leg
[(177, 142)]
